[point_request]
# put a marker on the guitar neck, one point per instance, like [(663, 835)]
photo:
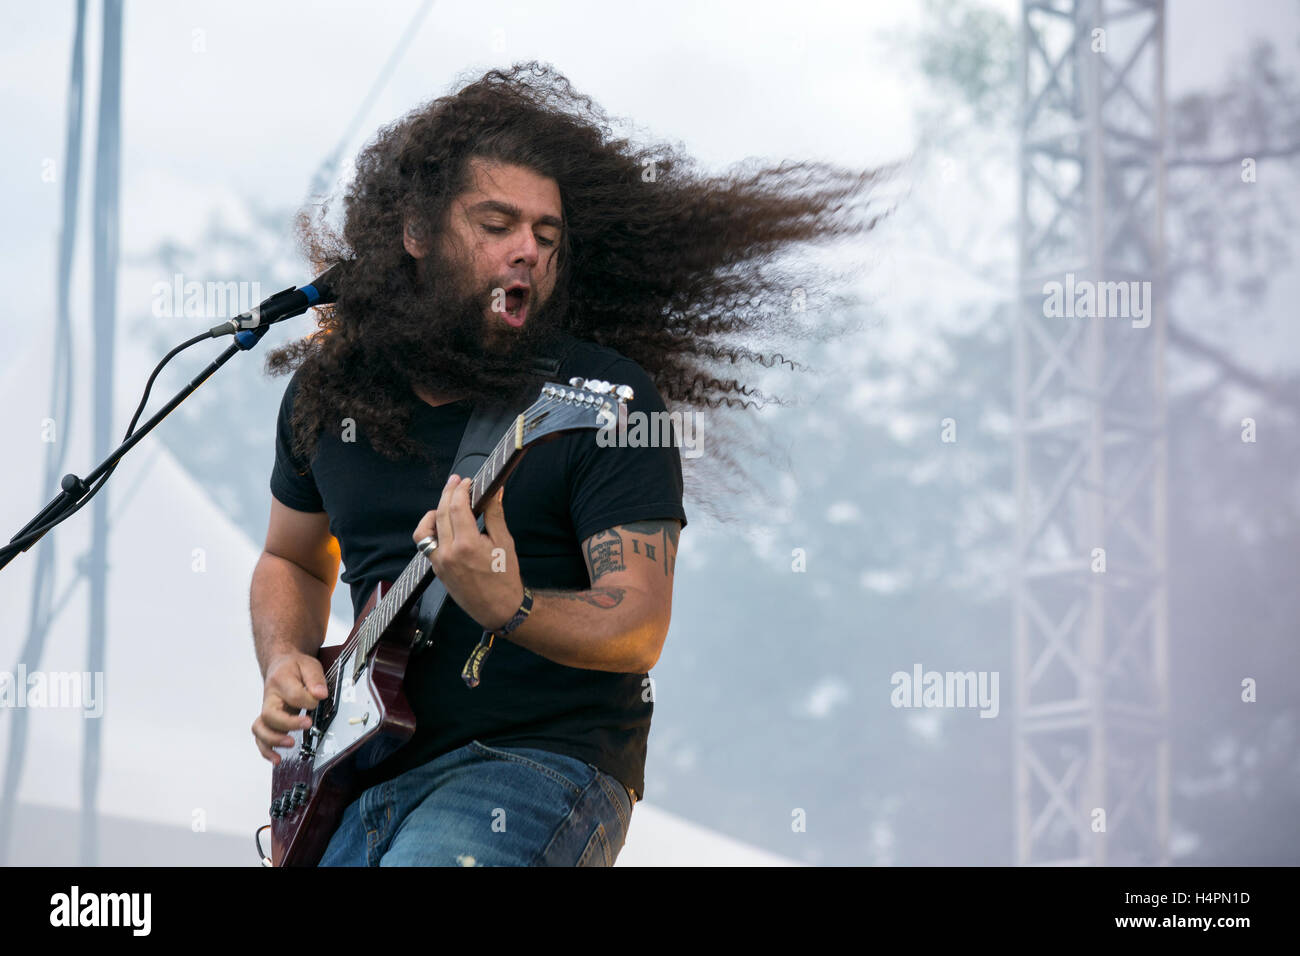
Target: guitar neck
[(583, 404), (410, 584)]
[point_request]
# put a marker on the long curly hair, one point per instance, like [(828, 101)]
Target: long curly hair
[(674, 268)]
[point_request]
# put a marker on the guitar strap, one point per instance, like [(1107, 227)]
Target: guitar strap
[(487, 422)]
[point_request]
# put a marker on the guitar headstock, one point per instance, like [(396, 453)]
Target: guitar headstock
[(583, 403)]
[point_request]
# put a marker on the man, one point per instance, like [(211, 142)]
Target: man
[(487, 228)]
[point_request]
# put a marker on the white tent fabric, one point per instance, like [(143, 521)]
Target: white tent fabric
[(181, 684)]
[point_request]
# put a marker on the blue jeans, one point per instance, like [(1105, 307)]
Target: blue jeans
[(487, 806)]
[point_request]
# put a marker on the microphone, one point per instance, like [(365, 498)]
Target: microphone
[(283, 305)]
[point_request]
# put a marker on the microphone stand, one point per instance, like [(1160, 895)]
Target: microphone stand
[(247, 328), (75, 489)]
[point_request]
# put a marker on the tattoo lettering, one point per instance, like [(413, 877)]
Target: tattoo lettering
[(662, 533), (649, 549), (605, 554)]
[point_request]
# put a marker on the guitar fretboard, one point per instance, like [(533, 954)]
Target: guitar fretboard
[(415, 577)]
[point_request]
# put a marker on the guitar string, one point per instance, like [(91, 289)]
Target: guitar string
[(367, 629), (408, 578), (385, 612)]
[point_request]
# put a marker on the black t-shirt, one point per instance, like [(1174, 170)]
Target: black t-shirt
[(561, 493)]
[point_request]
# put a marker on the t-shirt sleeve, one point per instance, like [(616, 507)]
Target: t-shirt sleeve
[(292, 481), (615, 485)]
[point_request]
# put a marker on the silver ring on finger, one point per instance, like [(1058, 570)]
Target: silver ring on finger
[(427, 545)]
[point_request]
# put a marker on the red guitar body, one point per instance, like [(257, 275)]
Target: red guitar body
[(311, 788)]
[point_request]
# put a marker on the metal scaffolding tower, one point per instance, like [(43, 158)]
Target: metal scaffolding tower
[(1090, 607)]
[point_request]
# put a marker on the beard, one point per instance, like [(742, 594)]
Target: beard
[(442, 339)]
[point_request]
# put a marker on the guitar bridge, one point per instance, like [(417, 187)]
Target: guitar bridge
[(309, 738), (320, 719)]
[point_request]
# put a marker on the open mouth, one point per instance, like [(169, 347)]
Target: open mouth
[(517, 297)]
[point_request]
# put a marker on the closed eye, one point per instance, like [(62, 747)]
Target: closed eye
[(498, 230)]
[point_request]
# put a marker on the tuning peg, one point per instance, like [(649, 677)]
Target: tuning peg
[(624, 393), (578, 382)]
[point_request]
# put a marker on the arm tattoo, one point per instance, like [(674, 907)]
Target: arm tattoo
[(604, 554), (603, 598), (654, 538)]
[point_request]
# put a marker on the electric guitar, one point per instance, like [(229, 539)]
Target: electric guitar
[(366, 713)]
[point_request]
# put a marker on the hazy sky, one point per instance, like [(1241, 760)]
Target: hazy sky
[(242, 98)]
